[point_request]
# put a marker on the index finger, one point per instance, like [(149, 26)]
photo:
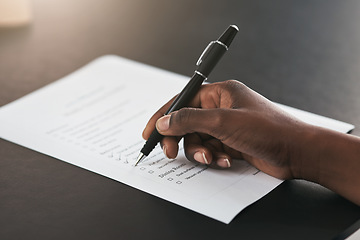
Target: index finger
[(206, 97), (150, 126)]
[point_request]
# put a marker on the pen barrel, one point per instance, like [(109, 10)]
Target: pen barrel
[(211, 57), (186, 95), (150, 144)]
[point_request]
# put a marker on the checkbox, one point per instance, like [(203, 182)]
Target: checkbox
[(151, 172), (170, 179), (179, 182), (142, 168)]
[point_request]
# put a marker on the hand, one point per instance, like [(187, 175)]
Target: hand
[(228, 120)]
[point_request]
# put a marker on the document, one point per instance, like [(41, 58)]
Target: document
[(354, 236), (94, 117)]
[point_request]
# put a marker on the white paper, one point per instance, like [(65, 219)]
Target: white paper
[(94, 117), (354, 236)]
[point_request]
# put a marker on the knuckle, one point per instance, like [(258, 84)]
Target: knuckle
[(232, 85), (182, 117), (238, 93)]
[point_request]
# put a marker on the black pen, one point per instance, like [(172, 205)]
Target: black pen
[(206, 63)]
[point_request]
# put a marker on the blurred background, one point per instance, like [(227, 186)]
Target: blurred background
[(292, 52)]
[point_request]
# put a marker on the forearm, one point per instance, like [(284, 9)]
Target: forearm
[(331, 159)]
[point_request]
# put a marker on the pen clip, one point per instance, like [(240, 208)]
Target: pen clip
[(203, 54)]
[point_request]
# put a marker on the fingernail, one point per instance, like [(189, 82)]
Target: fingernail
[(164, 150), (227, 162), (206, 161), (200, 157), (163, 123), (224, 163)]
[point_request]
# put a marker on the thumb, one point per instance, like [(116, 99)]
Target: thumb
[(189, 120)]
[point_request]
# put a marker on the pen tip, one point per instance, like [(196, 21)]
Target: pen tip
[(139, 158)]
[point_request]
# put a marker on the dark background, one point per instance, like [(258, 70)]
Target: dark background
[(304, 54)]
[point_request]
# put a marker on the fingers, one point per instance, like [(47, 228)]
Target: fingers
[(150, 126), (194, 123), (220, 158), (206, 151), (202, 97), (189, 120), (170, 146), (198, 148), (195, 151), (209, 96), (228, 94)]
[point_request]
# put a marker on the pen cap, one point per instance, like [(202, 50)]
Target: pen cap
[(215, 50), (229, 34)]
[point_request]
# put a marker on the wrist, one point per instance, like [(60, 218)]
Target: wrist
[(304, 153)]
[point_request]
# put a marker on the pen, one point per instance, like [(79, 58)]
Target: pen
[(206, 63)]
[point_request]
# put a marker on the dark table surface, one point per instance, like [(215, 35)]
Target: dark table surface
[(304, 54)]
